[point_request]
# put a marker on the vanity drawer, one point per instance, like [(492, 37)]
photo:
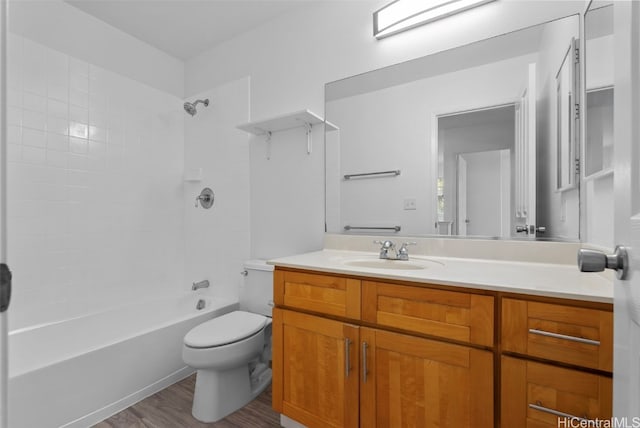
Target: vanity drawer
[(567, 334), (324, 294), (460, 316), (541, 395)]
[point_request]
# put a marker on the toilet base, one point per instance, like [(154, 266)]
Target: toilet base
[(220, 393)]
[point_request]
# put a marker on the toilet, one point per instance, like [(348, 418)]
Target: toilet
[(231, 353)]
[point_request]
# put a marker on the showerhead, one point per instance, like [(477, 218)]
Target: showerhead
[(191, 107)]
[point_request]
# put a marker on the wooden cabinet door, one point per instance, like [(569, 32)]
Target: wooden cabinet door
[(536, 395), (415, 382), (315, 370), (448, 314), (568, 334), (321, 293)]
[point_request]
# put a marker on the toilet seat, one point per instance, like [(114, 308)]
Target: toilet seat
[(224, 330)]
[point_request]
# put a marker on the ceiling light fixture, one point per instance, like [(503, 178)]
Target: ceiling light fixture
[(402, 15)]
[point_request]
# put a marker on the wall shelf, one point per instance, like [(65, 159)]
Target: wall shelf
[(300, 119)]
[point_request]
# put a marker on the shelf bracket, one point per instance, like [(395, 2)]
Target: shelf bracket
[(268, 140), (308, 127)]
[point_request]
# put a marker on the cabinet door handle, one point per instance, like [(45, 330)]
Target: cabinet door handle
[(538, 406), (565, 337), (364, 362), (347, 357)]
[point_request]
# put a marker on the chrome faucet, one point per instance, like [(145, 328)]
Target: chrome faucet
[(401, 254), (200, 284), (385, 246)]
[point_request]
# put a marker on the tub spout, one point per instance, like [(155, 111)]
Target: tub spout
[(200, 284)]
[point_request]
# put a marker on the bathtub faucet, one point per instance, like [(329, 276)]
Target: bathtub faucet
[(201, 284)]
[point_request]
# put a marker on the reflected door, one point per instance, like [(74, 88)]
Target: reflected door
[(486, 212), (525, 117)]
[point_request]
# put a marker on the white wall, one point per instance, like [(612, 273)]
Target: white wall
[(65, 28), (217, 239), (332, 40), (287, 194), (94, 184)]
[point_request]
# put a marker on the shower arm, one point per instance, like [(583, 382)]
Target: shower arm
[(205, 102)]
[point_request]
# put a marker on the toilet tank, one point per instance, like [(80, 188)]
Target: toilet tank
[(256, 292)]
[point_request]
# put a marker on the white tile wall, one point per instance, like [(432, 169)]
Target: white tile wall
[(95, 193), (217, 239)]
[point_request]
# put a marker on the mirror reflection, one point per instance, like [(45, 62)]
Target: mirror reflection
[(481, 141), (599, 83), (598, 141)]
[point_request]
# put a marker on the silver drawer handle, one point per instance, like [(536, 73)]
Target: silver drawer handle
[(565, 337), (347, 357), (364, 362), (558, 413)]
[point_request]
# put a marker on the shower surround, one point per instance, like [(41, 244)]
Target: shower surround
[(95, 197), (104, 239)]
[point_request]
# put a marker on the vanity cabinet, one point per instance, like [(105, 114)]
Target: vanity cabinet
[(352, 351), (535, 394), (395, 363), (323, 294), (409, 381), (452, 315), (567, 334), (556, 363), (315, 369)]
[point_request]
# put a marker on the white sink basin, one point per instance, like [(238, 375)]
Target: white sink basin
[(392, 264)]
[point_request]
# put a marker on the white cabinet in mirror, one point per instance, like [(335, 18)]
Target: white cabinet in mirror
[(597, 189), (476, 133), (599, 91)]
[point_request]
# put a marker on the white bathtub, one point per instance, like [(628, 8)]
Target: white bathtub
[(79, 371)]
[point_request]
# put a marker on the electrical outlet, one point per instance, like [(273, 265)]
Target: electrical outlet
[(409, 204)]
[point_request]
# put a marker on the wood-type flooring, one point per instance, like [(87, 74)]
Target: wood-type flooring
[(171, 408)]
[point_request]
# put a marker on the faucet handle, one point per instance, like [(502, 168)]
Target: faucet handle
[(406, 244), (385, 244), (403, 252)]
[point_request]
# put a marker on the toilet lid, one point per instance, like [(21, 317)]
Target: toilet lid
[(225, 329)]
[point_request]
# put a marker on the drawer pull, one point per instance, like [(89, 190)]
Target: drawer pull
[(538, 406), (364, 362), (347, 357), (565, 337)]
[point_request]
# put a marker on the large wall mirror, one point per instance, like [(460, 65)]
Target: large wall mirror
[(477, 141)]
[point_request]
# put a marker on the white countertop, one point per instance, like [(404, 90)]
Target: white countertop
[(541, 279)]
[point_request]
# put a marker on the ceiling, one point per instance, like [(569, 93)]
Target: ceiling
[(186, 28)]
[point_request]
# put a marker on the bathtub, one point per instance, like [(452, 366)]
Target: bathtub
[(79, 371)]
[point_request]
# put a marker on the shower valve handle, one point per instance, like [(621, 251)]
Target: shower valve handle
[(206, 198)]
